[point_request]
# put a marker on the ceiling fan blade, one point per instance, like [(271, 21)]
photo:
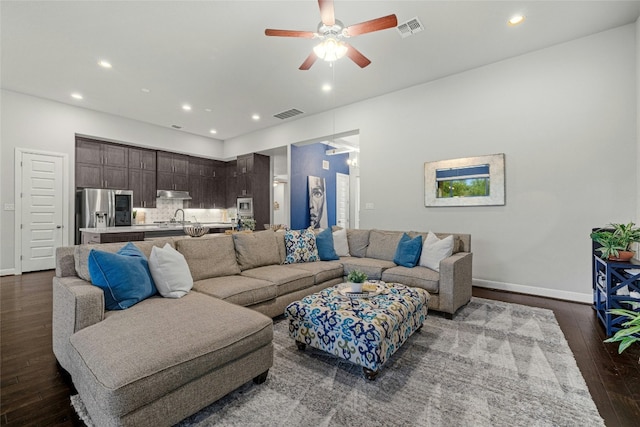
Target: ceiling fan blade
[(377, 24), (355, 55), (327, 15), (289, 33), (311, 59)]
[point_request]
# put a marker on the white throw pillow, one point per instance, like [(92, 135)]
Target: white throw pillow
[(170, 272), (435, 250), (340, 242)]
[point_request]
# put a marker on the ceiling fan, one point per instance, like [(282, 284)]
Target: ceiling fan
[(333, 33)]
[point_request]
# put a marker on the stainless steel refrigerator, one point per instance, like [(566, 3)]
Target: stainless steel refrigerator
[(114, 208)]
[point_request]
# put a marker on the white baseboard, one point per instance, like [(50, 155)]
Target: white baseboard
[(533, 290), (7, 272)]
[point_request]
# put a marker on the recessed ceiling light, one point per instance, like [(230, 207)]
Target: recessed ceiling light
[(186, 107), (145, 90), (326, 87), (104, 64), (76, 96), (255, 117), (516, 19), (213, 131), (208, 110)]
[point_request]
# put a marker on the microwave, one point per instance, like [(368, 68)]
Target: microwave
[(245, 207)]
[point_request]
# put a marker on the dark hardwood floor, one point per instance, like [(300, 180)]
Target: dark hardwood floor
[(33, 391)]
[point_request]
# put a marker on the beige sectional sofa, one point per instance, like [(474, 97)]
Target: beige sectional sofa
[(163, 359)]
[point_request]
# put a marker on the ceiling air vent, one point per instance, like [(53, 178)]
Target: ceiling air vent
[(176, 126), (288, 114), (410, 27)]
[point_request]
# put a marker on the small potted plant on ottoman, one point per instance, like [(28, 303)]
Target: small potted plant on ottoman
[(356, 279)]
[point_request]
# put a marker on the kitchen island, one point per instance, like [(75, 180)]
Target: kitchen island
[(144, 231)]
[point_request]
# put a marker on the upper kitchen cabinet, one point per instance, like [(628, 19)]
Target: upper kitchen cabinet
[(142, 177), (140, 158), (206, 184), (172, 171), (101, 165)]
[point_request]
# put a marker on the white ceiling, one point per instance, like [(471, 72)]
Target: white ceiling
[(214, 54)]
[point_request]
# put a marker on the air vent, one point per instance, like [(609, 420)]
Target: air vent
[(176, 126), (288, 114), (410, 27)]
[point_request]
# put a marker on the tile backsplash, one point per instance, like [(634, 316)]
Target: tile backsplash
[(165, 210)]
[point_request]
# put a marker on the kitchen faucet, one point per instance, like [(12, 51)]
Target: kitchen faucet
[(176, 213)]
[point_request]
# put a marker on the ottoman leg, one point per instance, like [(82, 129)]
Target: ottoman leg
[(301, 345), (369, 374)]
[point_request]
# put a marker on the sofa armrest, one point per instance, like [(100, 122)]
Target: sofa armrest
[(77, 304), (455, 281)]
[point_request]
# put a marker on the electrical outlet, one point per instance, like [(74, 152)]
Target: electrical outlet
[(368, 205), (9, 207)]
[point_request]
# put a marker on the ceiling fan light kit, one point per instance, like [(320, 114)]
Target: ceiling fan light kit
[(332, 33)]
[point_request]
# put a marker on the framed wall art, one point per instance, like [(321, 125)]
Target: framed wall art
[(469, 181)]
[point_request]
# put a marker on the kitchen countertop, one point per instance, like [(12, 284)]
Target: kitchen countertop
[(153, 227)]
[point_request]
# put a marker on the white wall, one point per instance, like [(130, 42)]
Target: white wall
[(564, 116), (38, 124)]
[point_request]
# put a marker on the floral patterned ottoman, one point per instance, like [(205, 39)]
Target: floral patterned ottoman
[(364, 330)]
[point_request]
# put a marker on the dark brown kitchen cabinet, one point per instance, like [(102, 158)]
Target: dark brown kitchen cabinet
[(253, 180), (139, 158), (172, 171), (143, 184), (231, 183), (101, 165), (206, 184)]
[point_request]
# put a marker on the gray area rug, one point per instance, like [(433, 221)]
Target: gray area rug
[(495, 364)]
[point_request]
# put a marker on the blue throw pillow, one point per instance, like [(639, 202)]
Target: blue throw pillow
[(408, 251), (124, 276), (324, 242)]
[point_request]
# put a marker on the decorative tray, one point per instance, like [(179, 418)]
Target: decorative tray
[(369, 289)]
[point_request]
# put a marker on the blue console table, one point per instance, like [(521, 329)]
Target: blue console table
[(608, 278)]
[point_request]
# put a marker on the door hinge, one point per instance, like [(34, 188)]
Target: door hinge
[(20, 257), (21, 226)]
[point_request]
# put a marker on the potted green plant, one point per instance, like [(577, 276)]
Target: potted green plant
[(630, 332), (356, 279), (616, 241)]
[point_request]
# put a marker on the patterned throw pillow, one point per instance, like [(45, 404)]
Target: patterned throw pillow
[(301, 246)]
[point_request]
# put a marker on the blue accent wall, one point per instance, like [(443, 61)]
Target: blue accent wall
[(305, 161)]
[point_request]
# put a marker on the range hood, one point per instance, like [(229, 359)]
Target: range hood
[(174, 195)]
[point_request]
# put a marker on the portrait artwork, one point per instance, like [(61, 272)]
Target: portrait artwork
[(317, 203)]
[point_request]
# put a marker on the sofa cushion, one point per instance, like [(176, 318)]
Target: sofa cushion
[(373, 268), (237, 289), (418, 277), (324, 242), (322, 271), (124, 277), (282, 250), (458, 243), (435, 250), (408, 251), (286, 279), (170, 272), (301, 246), (358, 242), (383, 244), (256, 249), (137, 356), (81, 253), (211, 257), (340, 242)]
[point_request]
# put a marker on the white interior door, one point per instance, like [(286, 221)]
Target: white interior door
[(41, 207), (342, 200)]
